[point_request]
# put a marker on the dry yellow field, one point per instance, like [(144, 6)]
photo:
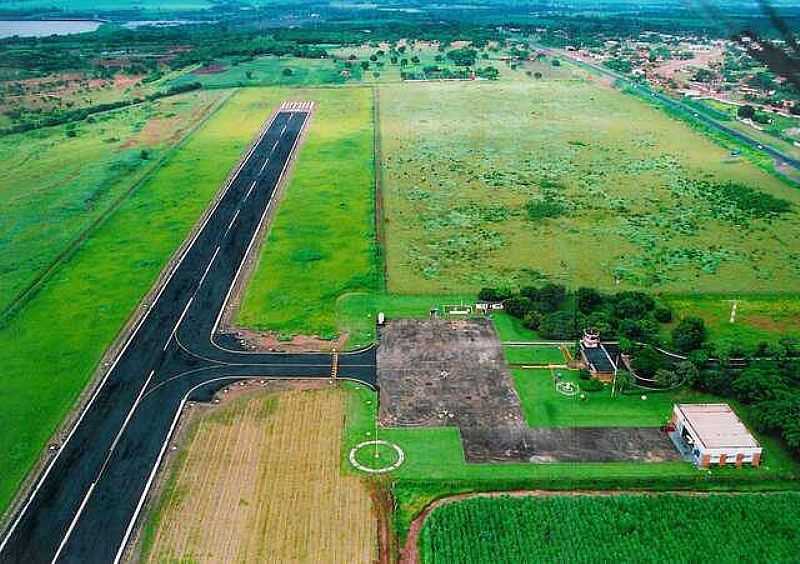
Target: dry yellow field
[(259, 481)]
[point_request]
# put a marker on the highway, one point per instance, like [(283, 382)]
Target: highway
[(85, 505)]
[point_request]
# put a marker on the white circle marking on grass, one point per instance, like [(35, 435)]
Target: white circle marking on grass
[(401, 456), (567, 388)]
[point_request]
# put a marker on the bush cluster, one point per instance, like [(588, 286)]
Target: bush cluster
[(630, 315)]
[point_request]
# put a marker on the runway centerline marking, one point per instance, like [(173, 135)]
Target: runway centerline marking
[(253, 185), (231, 223), (263, 166), (178, 324), (74, 522), (202, 278)]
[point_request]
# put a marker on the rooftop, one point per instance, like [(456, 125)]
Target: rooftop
[(716, 425)]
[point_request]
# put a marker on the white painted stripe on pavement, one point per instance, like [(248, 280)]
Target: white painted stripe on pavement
[(74, 428), (73, 523), (178, 324), (253, 185), (231, 223)]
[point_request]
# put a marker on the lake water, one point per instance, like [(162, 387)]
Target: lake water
[(27, 28)]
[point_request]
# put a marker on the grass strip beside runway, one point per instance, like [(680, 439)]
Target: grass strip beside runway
[(51, 348), (322, 241)]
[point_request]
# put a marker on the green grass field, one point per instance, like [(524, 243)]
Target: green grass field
[(534, 355), (322, 241), (51, 347), (567, 178), (54, 187), (624, 528), (758, 318), (544, 406), (266, 71)]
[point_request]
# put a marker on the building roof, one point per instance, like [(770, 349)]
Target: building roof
[(716, 425), (599, 358)]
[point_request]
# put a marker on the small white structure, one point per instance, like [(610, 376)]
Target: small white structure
[(486, 307), (714, 434)]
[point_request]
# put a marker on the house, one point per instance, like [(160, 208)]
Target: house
[(712, 433), (599, 360)]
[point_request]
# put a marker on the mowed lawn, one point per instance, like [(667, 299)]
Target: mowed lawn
[(622, 528), (52, 346), (258, 480), (53, 186), (322, 241), (544, 406), (504, 183)]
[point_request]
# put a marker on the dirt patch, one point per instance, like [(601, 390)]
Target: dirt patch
[(272, 342), (210, 69), (701, 59), (443, 373)]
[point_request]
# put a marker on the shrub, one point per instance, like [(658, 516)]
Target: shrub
[(689, 335), (592, 385), (558, 325), (647, 361), (588, 299), (518, 306), (494, 294), (544, 209), (662, 314)]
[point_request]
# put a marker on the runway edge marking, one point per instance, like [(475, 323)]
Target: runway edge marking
[(172, 269)]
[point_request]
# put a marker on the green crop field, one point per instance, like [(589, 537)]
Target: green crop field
[(569, 179), (624, 528), (54, 185), (321, 244), (75, 316)]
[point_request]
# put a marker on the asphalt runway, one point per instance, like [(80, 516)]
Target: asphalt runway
[(85, 505)]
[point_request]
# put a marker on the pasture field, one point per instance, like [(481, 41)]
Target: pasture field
[(623, 528), (259, 480), (321, 244), (567, 179), (55, 185), (51, 347), (265, 71)]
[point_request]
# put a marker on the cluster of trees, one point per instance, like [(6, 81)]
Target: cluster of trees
[(626, 315)]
